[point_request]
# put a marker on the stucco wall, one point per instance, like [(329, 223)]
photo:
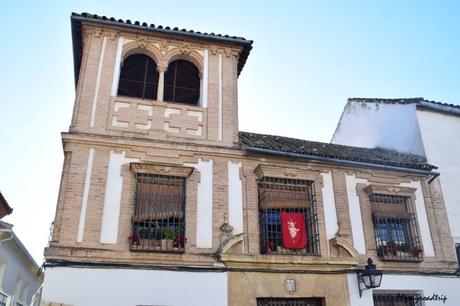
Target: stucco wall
[(441, 137), (16, 280), (371, 125), (246, 287), (126, 287), (426, 285)]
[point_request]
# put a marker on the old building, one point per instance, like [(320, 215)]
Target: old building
[(418, 126), (20, 276), (163, 201)]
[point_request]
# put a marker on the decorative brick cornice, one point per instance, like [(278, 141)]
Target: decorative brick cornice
[(388, 189), (162, 169), (283, 172)]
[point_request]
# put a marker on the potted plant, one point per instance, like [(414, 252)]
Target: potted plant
[(383, 250), (393, 247), (417, 251), (134, 239), (145, 234), (403, 250), (169, 235)]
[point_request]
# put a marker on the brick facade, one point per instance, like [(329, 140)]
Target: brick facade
[(156, 145)]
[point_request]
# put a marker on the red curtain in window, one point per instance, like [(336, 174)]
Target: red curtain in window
[(293, 230)]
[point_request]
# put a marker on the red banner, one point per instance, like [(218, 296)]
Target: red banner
[(293, 230)]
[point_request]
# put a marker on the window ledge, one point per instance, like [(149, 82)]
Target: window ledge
[(288, 262)]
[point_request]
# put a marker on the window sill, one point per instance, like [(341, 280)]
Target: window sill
[(156, 102)]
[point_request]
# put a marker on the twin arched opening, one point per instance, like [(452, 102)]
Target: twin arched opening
[(139, 78)]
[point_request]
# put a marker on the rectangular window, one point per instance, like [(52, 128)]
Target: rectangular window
[(159, 215), (287, 209), (395, 228), (290, 302), (3, 299), (397, 299)]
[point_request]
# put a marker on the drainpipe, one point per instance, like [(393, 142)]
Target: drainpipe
[(344, 162)]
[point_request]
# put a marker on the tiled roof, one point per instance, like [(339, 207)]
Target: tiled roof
[(77, 18), (5, 209), (420, 102), (333, 151)]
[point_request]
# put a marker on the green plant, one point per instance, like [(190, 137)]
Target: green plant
[(394, 247), (170, 234), (405, 247), (145, 233)]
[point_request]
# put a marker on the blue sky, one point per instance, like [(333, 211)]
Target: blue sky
[(308, 58)]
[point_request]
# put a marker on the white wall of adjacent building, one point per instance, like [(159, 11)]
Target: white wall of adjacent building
[(406, 284), (131, 287), (441, 138), (404, 128), (17, 280), (372, 125)]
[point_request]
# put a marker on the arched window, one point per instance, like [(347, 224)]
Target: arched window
[(138, 77), (182, 83)]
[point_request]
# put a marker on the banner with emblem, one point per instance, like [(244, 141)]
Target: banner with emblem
[(293, 230)]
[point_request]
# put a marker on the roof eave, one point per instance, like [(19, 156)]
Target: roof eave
[(426, 172), (77, 41)]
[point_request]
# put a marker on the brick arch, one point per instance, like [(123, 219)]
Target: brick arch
[(150, 51), (193, 57)]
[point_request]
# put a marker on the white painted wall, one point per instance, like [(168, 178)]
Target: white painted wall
[(235, 197), (441, 137), (127, 287), (204, 101), (112, 198), (371, 125), (355, 213), (17, 277), (330, 212), (429, 285), (204, 204), (116, 69), (84, 201), (422, 218), (98, 81)]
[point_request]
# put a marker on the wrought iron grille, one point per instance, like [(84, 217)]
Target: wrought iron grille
[(457, 249), (290, 302), (277, 195), (397, 299), (395, 228), (3, 299), (158, 223)]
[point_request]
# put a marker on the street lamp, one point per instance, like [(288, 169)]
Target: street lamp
[(370, 277)]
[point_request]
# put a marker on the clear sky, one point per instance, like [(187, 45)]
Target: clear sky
[(308, 58)]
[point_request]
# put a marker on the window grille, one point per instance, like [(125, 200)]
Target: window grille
[(3, 299), (290, 302), (397, 299), (457, 248), (395, 228), (138, 77), (182, 83), (159, 215), (277, 195)]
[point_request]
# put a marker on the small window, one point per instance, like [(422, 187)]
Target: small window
[(182, 83), (290, 302), (3, 299), (395, 228), (159, 215), (288, 217), (397, 299), (138, 77)]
